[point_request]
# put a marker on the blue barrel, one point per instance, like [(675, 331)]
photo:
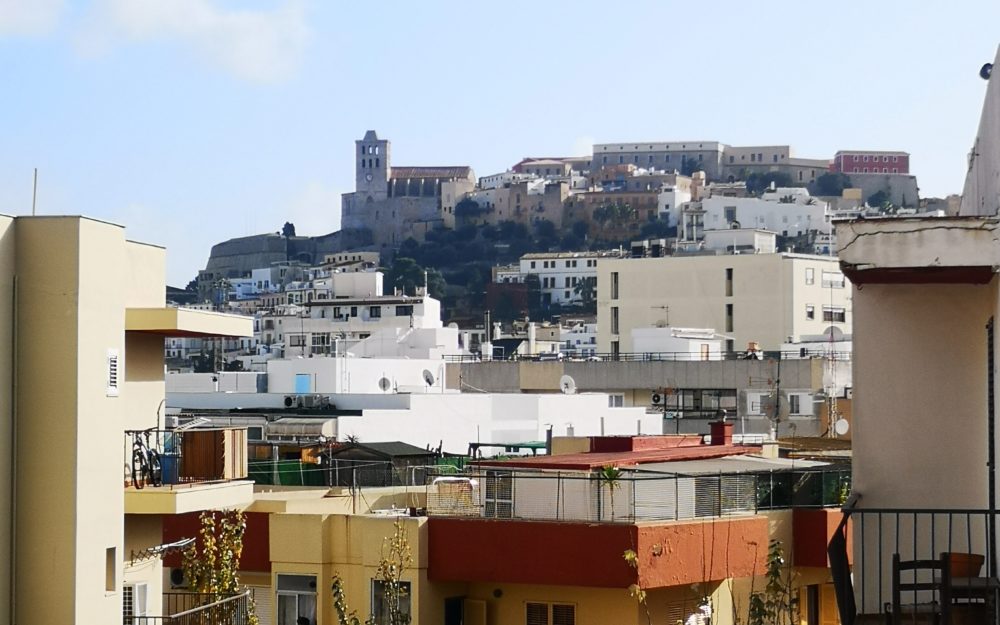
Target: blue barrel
[(169, 465)]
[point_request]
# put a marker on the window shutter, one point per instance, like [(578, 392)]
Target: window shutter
[(112, 388), (563, 615), (139, 606), (537, 614)]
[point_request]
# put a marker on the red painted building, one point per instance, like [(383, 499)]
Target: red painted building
[(852, 162)]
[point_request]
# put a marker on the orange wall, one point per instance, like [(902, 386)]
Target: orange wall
[(698, 551)]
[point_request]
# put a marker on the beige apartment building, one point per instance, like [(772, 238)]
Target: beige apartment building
[(82, 323), (770, 299)]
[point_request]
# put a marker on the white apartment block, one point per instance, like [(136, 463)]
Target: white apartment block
[(787, 212), (579, 340), (559, 273), (770, 299)]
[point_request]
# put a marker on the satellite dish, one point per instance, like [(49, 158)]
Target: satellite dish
[(385, 384), (567, 385), (428, 378), (841, 427)]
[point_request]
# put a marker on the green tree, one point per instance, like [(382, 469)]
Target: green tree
[(690, 165), (436, 284), (545, 229), (757, 183), (832, 183), (405, 275), (467, 207), (879, 199), (288, 230), (211, 563), (586, 290), (580, 229)]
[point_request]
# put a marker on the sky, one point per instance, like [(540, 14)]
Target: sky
[(191, 122)]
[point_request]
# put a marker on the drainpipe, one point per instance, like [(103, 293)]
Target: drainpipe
[(991, 446)]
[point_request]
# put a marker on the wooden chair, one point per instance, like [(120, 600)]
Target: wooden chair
[(928, 583)]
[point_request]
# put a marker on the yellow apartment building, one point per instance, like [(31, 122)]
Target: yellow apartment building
[(82, 323), (765, 298)]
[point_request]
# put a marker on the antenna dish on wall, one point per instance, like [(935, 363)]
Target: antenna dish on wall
[(567, 385), (428, 378), (841, 427), (385, 384)]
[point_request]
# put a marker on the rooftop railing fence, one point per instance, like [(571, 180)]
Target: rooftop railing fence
[(631, 497)]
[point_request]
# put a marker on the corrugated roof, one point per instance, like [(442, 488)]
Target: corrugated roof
[(463, 171), (589, 461), (730, 464)]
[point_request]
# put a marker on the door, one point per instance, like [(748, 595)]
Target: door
[(303, 383)]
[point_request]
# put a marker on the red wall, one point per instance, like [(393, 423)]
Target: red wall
[(530, 552), (256, 554), (845, 163), (578, 554), (813, 529)]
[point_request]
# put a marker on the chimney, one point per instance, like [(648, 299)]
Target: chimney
[(722, 432)]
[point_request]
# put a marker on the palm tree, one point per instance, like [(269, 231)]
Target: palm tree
[(610, 476)]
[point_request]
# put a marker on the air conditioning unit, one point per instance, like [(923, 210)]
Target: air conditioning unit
[(177, 579), (314, 401), (171, 421), (293, 401)]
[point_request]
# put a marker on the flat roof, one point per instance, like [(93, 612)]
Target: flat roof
[(588, 461)]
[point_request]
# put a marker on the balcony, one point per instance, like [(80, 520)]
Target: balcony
[(198, 609), (966, 538), (198, 470)]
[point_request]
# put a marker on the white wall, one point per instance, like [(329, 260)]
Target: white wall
[(794, 218)]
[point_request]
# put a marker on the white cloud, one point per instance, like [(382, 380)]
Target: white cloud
[(257, 45), (25, 18)]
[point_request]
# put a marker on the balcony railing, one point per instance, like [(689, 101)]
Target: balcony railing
[(199, 609), (917, 534), (798, 354), (635, 496), (188, 456)]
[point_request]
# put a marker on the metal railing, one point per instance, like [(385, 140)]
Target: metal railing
[(199, 609), (798, 354), (632, 497), (923, 534)]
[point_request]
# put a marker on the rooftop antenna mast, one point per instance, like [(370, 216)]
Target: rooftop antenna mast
[(34, 192), (666, 314)]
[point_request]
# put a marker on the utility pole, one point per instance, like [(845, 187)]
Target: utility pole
[(34, 192)]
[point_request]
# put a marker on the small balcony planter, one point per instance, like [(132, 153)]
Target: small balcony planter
[(966, 564)]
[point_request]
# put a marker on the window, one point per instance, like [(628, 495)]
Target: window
[(549, 614), (799, 404), (895, 159), (729, 317), (810, 275), (354, 311), (615, 350), (296, 599), (775, 157), (374, 312), (381, 598), (112, 368), (865, 159), (895, 170), (532, 264), (834, 314), (729, 282), (134, 603), (614, 285), (810, 311), (110, 569), (404, 311), (296, 340), (833, 279), (616, 400), (614, 320), (855, 159), (885, 159), (566, 282), (499, 495)]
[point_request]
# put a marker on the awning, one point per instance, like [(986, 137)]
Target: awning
[(187, 322)]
